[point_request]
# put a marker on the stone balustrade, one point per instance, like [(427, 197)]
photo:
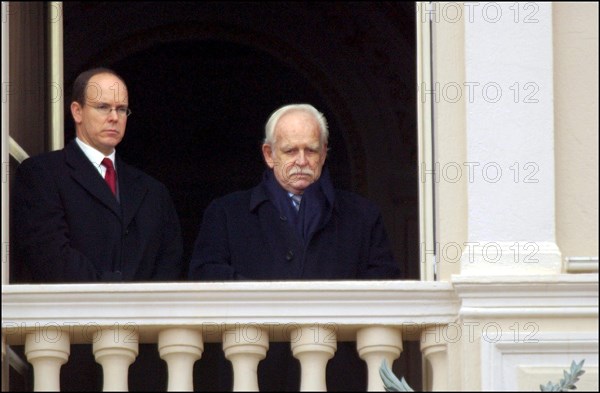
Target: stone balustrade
[(244, 317), (314, 317)]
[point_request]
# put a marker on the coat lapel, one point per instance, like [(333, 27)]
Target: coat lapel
[(84, 173), (131, 190), (284, 243)]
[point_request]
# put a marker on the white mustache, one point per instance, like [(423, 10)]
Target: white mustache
[(301, 171)]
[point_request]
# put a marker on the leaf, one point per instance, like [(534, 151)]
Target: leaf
[(391, 382), (568, 382)]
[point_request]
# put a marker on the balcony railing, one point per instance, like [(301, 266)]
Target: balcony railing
[(244, 316)]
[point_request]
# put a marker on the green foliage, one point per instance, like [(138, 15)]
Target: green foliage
[(568, 382), (391, 382)]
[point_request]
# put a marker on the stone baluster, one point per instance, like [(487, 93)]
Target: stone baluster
[(434, 350), (374, 344), (47, 350), (116, 348), (313, 347), (244, 347), (180, 348)]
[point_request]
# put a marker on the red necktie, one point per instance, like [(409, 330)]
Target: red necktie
[(111, 175)]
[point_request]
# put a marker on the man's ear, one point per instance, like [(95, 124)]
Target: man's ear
[(76, 112), (268, 155)]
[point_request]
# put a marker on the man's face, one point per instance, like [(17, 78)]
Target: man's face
[(297, 156), (93, 126)]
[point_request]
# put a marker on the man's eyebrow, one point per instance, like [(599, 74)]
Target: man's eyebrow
[(108, 104)]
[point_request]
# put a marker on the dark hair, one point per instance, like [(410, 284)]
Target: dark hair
[(81, 83)]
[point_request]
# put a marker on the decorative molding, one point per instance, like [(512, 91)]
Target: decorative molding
[(503, 360), (581, 264), (560, 295)]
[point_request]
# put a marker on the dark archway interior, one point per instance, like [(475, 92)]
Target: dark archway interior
[(201, 131), (203, 79)]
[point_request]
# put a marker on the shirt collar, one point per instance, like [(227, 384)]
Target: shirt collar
[(94, 155)]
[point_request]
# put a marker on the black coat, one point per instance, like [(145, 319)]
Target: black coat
[(68, 227), (245, 237)]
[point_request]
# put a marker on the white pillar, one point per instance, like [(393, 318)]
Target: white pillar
[(180, 348), (47, 351), (510, 140), (313, 347), (244, 347), (374, 344), (115, 349), (435, 352)]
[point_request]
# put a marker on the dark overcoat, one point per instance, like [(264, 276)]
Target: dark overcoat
[(68, 227), (245, 237)]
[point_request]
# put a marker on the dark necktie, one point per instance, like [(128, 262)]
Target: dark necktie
[(110, 176), (296, 199)]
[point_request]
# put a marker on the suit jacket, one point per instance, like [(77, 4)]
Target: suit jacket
[(245, 236), (68, 227)]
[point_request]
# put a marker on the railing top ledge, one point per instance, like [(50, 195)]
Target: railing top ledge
[(343, 302), (245, 286)]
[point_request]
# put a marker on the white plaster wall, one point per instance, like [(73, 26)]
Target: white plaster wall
[(576, 127), (508, 56)]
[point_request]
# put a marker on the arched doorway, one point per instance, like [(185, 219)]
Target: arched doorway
[(198, 120)]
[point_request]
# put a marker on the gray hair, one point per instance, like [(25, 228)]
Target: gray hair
[(307, 108)]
